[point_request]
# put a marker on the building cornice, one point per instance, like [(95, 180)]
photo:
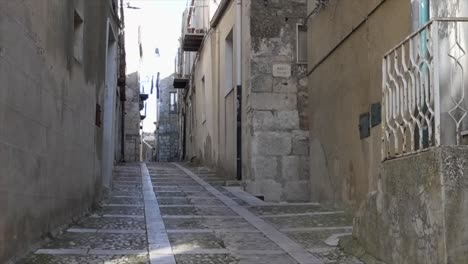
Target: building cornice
[(218, 15)]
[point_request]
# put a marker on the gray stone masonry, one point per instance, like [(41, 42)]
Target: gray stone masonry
[(277, 118), (418, 214), (132, 118), (167, 134)]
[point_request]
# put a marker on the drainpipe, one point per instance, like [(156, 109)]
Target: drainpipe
[(423, 12), (238, 38)]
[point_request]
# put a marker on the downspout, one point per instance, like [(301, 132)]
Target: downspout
[(238, 39), (423, 19), (122, 76), (423, 12)]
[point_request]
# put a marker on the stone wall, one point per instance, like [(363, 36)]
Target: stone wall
[(132, 118), (418, 213), (168, 134), (50, 147), (276, 119)]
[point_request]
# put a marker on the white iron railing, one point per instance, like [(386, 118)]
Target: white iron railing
[(424, 86), (196, 19)]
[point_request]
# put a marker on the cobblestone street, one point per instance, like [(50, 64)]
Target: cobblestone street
[(169, 213)]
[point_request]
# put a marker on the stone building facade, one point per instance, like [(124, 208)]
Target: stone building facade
[(244, 109), (167, 132), (132, 119), (56, 60)]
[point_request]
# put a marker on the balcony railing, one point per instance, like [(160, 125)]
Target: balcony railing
[(424, 85), (181, 81), (195, 26)]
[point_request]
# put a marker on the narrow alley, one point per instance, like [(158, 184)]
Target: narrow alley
[(163, 213), (233, 132)]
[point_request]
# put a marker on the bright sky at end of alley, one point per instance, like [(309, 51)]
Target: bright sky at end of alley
[(160, 22)]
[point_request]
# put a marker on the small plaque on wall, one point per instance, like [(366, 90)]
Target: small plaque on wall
[(282, 70), (364, 125)]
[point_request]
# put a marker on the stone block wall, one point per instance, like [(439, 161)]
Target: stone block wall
[(168, 129), (132, 118), (418, 213), (277, 167)]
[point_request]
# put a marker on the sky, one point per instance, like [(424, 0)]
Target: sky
[(160, 22)]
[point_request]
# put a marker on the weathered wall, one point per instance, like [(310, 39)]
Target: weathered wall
[(275, 112), (50, 148), (132, 118), (448, 8), (210, 109), (168, 135), (226, 94), (347, 40), (418, 213)]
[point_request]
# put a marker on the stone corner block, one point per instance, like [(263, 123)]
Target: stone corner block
[(272, 143), (275, 120), (274, 101)]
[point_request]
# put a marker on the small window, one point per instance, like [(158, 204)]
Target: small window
[(204, 100), (173, 102), (301, 44), (229, 64), (78, 36), (98, 115)]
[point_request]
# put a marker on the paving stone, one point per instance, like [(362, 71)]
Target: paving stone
[(247, 241), (124, 184), (265, 259), (189, 218), (55, 259), (207, 259), (121, 210), (206, 201), (205, 223), (286, 209), (184, 242), (197, 211), (337, 256), (311, 221), (111, 223), (134, 193), (98, 241), (315, 239), (192, 188), (174, 201), (170, 194), (115, 200), (128, 189)]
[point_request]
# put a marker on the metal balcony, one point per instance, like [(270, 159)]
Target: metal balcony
[(195, 27), (193, 39), (424, 86), (181, 82), (144, 97)]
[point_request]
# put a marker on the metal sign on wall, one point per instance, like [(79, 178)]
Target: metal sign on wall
[(282, 70)]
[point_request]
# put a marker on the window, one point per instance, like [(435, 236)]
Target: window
[(229, 64), (204, 100), (78, 36), (173, 102), (301, 42), (98, 120)]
